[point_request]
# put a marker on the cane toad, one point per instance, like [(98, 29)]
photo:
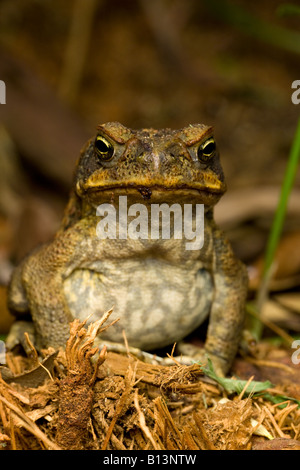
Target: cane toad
[(160, 289)]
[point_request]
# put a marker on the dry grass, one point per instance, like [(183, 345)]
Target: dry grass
[(122, 403)]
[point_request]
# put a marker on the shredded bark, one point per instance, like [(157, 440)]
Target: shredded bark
[(108, 401), (76, 389)]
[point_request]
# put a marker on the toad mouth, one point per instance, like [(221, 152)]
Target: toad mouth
[(146, 190), (181, 194)]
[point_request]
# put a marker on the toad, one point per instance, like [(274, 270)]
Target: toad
[(161, 288)]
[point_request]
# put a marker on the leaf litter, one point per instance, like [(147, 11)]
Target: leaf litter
[(99, 400)]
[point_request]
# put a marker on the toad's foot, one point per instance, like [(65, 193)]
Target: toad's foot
[(200, 355), (17, 337)]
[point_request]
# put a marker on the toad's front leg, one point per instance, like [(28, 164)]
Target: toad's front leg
[(37, 284), (228, 309)]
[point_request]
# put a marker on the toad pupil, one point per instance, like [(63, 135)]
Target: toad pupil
[(103, 148), (206, 150)]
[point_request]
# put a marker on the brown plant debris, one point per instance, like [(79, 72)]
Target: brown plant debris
[(76, 389), (105, 400)]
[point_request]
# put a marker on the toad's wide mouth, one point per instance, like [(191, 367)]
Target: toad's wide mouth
[(214, 187), (180, 193)]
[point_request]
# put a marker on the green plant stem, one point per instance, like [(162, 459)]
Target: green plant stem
[(278, 222)]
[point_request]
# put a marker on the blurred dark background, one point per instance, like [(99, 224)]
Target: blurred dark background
[(71, 65)]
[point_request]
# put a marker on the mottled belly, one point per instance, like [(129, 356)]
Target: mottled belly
[(158, 304)]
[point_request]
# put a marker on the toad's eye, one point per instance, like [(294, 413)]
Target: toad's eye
[(104, 148), (206, 150)]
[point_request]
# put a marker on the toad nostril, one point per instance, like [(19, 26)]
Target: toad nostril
[(141, 152), (177, 151)]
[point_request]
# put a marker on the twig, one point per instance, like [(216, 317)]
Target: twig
[(277, 365), (30, 425), (202, 433), (33, 353), (273, 421), (284, 413), (245, 387), (12, 432), (142, 421), (120, 405)]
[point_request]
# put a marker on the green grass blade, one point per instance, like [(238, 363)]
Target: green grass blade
[(254, 389)]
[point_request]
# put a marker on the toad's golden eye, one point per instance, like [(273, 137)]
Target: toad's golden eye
[(206, 150), (104, 148)]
